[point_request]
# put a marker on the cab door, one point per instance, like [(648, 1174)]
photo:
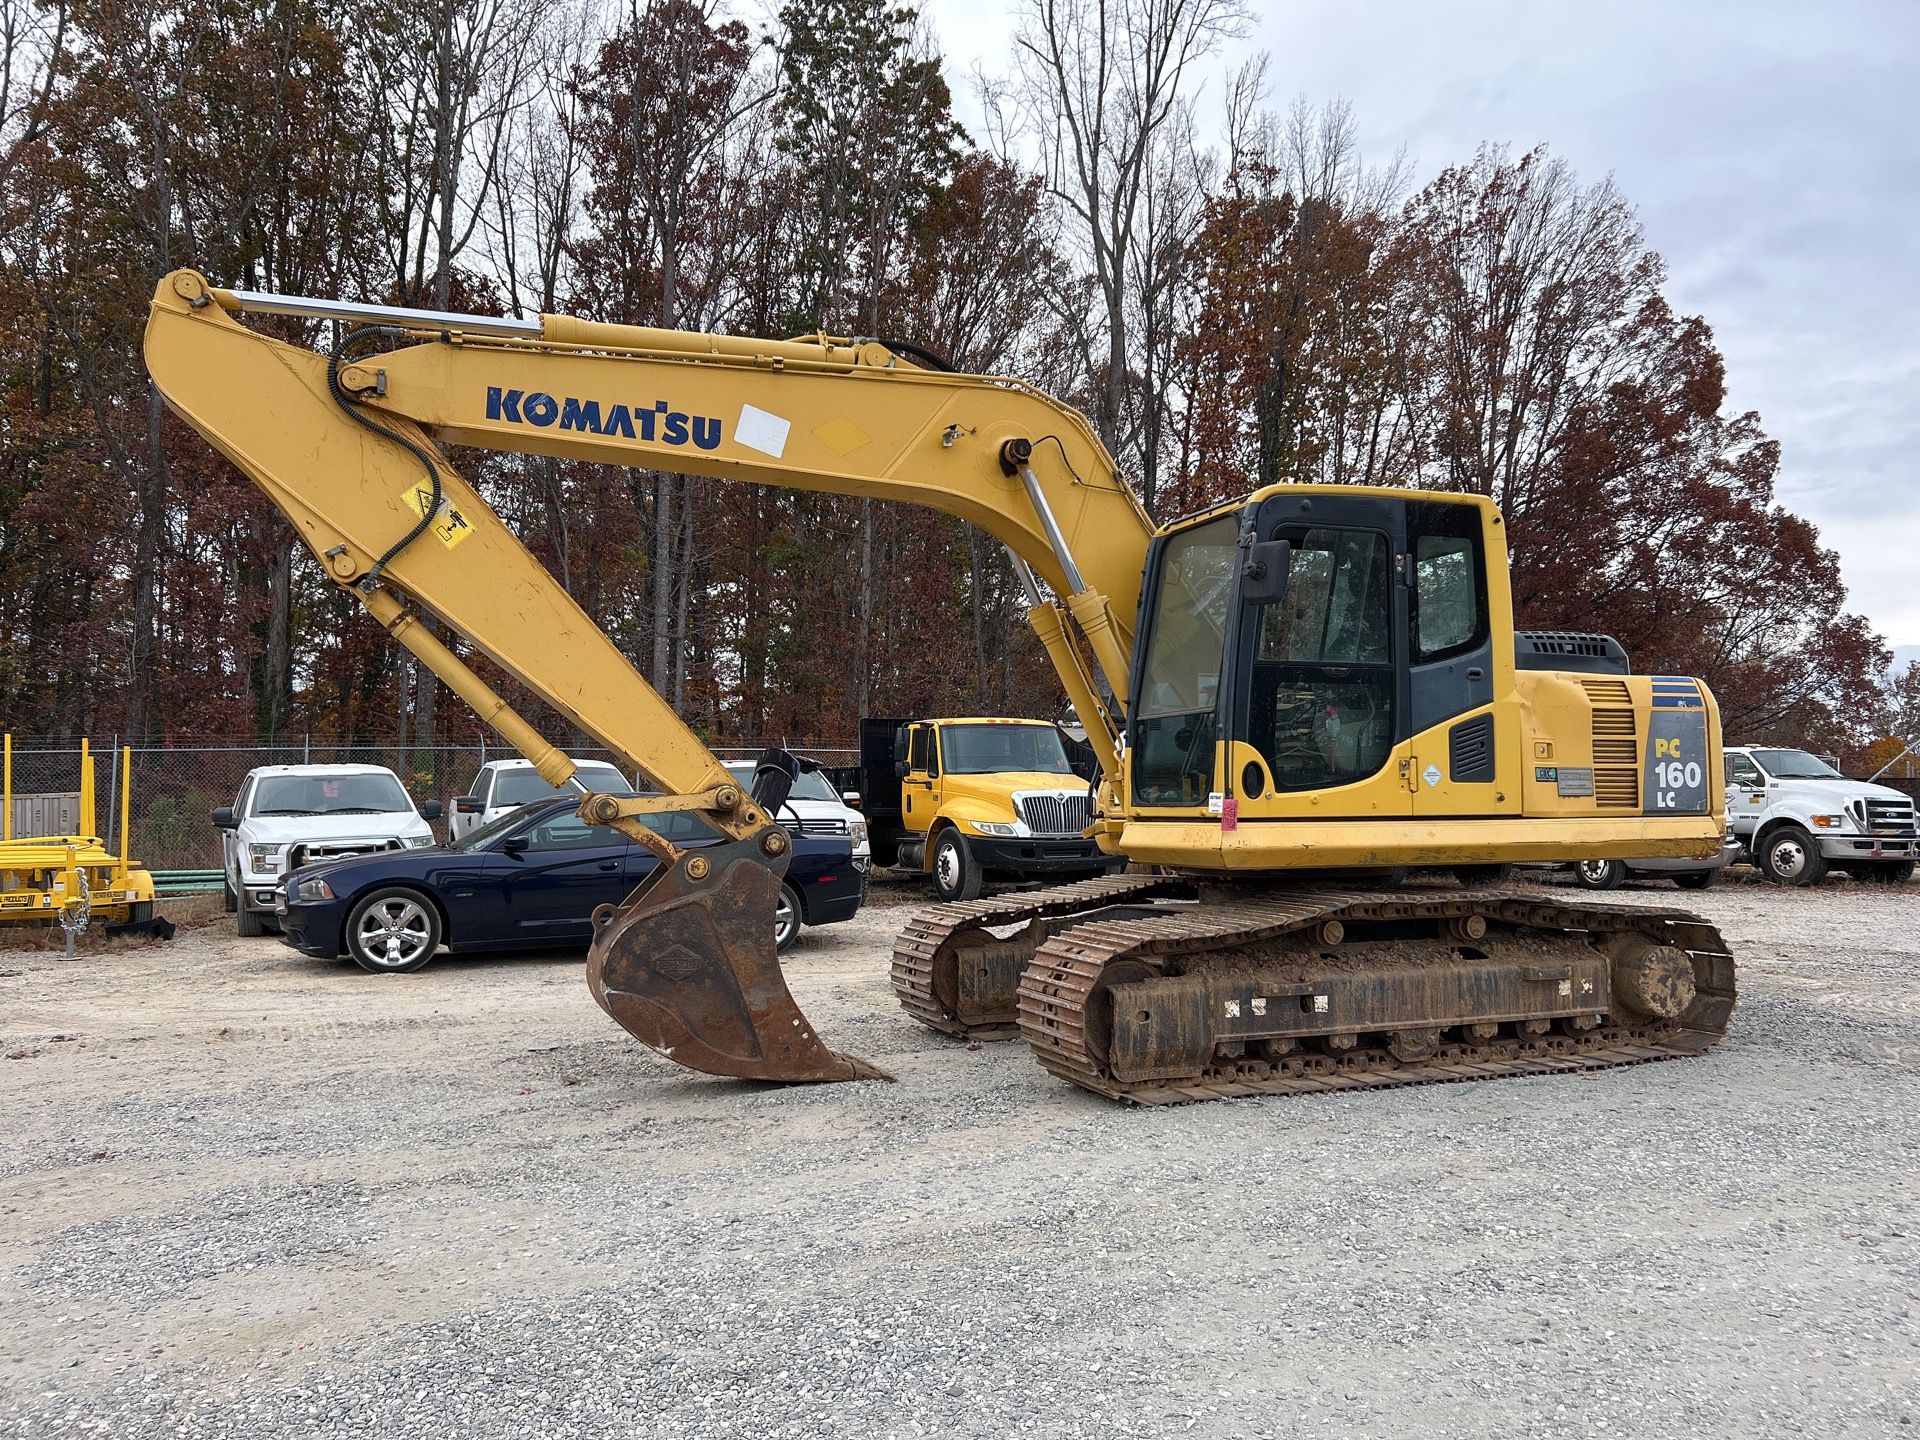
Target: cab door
[(1746, 795), (920, 788)]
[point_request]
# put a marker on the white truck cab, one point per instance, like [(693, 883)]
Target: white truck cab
[(1796, 817), (286, 816), (504, 785)]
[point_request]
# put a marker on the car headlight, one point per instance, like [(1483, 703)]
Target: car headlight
[(858, 830), (315, 889), (993, 827), (420, 842), (1828, 822), (264, 859)]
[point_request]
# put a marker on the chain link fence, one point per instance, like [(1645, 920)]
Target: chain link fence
[(176, 787)]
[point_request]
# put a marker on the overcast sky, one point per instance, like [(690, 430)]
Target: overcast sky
[(1771, 156)]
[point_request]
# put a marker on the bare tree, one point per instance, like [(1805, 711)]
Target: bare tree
[(1101, 82)]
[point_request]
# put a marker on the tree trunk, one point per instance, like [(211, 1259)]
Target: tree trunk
[(662, 580), (278, 674), (146, 576)]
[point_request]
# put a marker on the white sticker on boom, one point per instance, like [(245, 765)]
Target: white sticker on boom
[(760, 430)]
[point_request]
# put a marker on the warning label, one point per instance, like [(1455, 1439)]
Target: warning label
[(449, 526)]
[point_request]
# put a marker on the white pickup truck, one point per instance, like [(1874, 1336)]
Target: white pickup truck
[(1797, 817), (505, 785), (288, 815)]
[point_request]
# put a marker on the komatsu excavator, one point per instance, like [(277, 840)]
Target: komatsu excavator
[(1290, 696)]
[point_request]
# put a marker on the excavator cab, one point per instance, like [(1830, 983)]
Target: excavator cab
[(1308, 636)]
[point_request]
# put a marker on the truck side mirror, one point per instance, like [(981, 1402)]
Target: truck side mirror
[(469, 804), (1263, 575), (900, 746), (223, 818), (899, 769), (850, 798), (431, 810)]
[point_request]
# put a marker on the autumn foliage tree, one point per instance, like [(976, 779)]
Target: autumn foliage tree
[(1276, 311)]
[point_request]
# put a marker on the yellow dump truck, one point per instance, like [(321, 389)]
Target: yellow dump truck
[(966, 800)]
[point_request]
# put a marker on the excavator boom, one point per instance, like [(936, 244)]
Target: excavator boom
[(347, 446)]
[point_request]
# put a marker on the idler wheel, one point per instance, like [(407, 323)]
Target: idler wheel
[(1651, 979)]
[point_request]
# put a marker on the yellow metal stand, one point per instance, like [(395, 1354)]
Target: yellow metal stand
[(44, 876)]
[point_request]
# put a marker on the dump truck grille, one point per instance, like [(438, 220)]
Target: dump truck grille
[(1885, 817), (1053, 814), (1616, 746)]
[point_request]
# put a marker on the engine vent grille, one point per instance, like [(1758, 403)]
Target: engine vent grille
[(1470, 750), (1053, 814), (1616, 746)]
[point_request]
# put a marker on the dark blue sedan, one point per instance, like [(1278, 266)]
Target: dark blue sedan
[(529, 880)]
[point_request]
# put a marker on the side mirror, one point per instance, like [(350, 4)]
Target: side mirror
[(514, 845), (900, 745), (468, 805), (850, 798), (900, 769), (1263, 575), (431, 810), (223, 817)]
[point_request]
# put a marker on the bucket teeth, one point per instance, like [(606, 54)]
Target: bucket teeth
[(688, 967)]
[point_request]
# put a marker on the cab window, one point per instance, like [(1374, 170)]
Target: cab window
[(1742, 771), (1449, 585), (917, 749)]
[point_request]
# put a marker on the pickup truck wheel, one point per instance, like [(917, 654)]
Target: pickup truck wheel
[(1696, 879), (1600, 874), (1894, 872), (956, 876), (393, 931), (1790, 856), (247, 923), (229, 901), (786, 917)]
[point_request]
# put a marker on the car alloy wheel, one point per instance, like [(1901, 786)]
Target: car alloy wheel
[(393, 931), (786, 918)]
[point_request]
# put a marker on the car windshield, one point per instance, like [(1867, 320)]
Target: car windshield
[(366, 794), (996, 749), (523, 785), (1795, 765), (812, 785)]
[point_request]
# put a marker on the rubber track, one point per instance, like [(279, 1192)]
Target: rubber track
[(918, 946), (1054, 991)]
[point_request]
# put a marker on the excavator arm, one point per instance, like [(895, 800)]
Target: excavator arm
[(347, 445)]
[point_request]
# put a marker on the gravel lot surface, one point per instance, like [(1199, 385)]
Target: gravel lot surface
[(248, 1193)]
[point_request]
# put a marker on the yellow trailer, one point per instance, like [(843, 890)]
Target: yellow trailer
[(46, 878)]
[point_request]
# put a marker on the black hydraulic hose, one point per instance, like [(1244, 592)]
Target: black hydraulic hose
[(346, 403), (918, 352), (932, 358)]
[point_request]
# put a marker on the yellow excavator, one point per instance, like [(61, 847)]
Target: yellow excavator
[(1292, 697)]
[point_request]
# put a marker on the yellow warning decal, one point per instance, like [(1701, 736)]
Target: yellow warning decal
[(449, 526)]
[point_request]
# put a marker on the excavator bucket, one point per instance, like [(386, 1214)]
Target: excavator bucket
[(687, 965)]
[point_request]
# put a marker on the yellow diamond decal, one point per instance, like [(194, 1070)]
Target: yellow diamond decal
[(842, 436)]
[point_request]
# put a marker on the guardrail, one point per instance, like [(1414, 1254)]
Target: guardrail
[(186, 882)]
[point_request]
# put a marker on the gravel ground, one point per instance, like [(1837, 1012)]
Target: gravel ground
[(247, 1193)]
